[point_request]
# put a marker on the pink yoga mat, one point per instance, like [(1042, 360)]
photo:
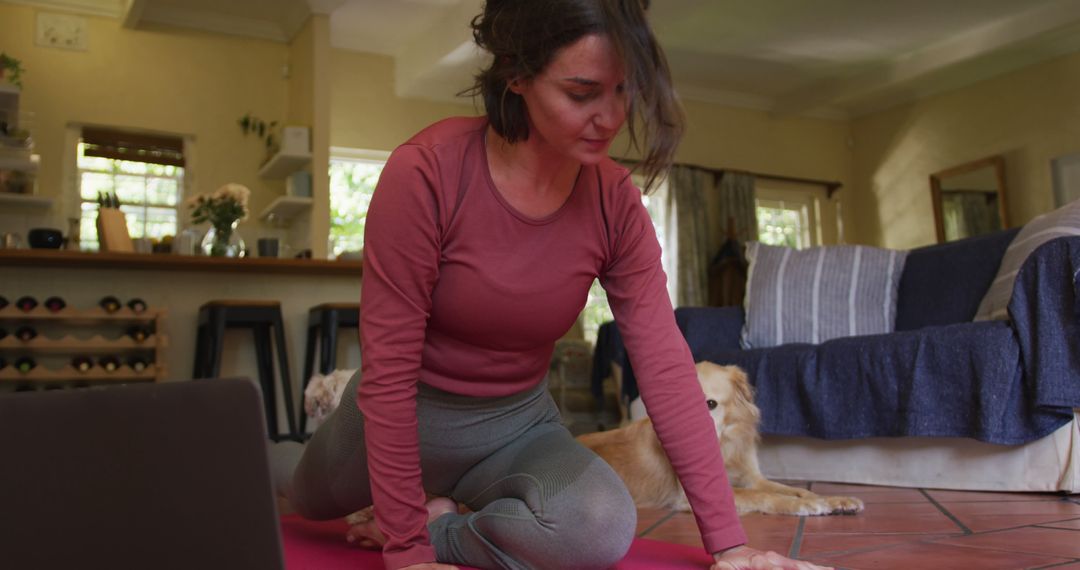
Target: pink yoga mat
[(320, 545)]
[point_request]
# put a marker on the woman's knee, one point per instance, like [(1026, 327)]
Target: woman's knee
[(596, 524)]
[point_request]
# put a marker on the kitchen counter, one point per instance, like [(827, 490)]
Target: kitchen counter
[(44, 258), (180, 284)]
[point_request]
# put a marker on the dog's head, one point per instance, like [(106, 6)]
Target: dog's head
[(729, 396), (323, 393)]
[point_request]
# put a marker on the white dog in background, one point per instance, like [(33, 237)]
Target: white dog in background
[(323, 394)]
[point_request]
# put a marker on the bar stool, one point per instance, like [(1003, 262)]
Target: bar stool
[(259, 316), (323, 323)]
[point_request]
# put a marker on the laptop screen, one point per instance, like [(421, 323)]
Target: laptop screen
[(169, 475)]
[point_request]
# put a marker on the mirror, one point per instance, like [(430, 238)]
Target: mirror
[(969, 199)]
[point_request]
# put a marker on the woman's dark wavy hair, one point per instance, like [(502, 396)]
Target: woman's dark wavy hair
[(524, 35)]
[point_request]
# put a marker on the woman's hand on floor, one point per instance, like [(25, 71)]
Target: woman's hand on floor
[(746, 558)]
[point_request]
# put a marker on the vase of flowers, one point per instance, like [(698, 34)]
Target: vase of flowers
[(225, 208)]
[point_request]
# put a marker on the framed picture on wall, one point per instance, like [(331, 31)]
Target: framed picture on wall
[(1065, 171)]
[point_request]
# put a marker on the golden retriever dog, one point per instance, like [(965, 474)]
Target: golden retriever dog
[(635, 453)]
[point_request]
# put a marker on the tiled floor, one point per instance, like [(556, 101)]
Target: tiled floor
[(911, 528)]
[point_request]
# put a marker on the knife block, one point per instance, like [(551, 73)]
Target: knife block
[(112, 231)]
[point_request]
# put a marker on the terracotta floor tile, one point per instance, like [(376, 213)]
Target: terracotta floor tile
[(937, 556), (947, 496), (870, 493), (646, 518), (911, 518), (1048, 541), (681, 528), (902, 529), (986, 516), (770, 532), (1070, 524), (834, 544)]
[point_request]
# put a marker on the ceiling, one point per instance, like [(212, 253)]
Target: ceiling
[(838, 58)]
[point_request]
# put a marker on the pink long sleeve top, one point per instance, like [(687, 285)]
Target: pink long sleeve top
[(465, 294)]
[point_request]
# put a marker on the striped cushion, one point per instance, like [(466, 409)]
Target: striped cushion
[(1065, 221), (816, 294)]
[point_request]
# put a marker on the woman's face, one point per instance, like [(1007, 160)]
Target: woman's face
[(578, 103)]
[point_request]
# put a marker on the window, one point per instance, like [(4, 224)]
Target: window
[(782, 223), (353, 176), (597, 311), (145, 172), (789, 215)]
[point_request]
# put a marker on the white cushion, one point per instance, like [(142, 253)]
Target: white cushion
[(820, 293), (1065, 221)]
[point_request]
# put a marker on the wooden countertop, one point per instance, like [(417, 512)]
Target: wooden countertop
[(51, 258)]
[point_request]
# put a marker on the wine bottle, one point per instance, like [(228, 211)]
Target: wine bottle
[(137, 306), (110, 304), (55, 304), (3, 302), (138, 364), (3, 363), (82, 363), (25, 333), (26, 303), (25, 364), (138, 333), (3, 334), (109, 363)]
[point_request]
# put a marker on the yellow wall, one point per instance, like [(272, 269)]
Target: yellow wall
[(365, 111), (172, 81), (1030, 116)]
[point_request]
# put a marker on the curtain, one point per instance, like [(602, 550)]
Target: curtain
[(737, 205), (687, 234), (733, 217)]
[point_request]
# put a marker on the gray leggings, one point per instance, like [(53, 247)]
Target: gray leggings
[(539, 499)]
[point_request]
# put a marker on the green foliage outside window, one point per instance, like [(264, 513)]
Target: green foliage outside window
[(779, 226), (352, 183)]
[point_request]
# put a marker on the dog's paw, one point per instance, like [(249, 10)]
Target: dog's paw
[(817, 506), (844, 505)]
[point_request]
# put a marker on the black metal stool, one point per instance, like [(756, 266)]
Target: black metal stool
[(260, 317), (323, 323)]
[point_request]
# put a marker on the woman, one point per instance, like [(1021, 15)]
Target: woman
[(482, 240)]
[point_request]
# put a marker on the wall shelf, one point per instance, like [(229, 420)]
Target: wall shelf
[(27, 163), (283, 164), (284, 208), (26, 200)]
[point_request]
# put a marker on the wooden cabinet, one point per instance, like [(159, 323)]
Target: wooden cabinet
[(91, 333)]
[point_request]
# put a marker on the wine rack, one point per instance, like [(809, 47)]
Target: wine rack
[(93, 333)]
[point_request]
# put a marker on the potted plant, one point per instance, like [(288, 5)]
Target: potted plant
[(10, 70), (264, 130)]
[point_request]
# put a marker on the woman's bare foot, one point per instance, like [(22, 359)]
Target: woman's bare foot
[(364, 531)]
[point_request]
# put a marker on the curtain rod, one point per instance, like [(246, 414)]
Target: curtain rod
[(830, 186)]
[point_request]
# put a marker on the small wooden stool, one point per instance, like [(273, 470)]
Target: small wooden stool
[(259, 316), (323, 323)]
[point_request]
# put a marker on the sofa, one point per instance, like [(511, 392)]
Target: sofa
[(942, 401)]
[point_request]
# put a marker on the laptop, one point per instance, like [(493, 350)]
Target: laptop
[(154, 476)]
